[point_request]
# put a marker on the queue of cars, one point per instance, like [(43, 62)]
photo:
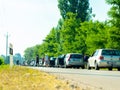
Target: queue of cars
[(101, 58), (59, 62), (69, 60)]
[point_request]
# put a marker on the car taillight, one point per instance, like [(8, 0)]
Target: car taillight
[(101, 57)]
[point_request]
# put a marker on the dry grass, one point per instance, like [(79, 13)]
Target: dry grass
[(21, 78)]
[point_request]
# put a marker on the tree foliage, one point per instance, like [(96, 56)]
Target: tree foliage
[(114, 31), (79, 7), (94, 35), (51, 43), (29, 53), (1, 61), (68, 33), (76, 33)]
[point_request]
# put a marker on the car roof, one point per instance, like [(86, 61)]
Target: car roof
[(73, 53), (107, 49)]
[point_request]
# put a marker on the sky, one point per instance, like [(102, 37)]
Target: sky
[(28, 22)]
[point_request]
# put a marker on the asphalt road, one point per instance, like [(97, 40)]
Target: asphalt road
[(88, 79)]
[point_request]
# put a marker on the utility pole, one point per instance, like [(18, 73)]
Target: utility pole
[(6, 61)]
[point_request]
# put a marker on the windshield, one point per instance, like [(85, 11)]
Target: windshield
[(76, 56), (111, 52)]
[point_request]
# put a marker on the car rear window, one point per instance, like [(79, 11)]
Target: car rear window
[(76, 56), (111, 52)]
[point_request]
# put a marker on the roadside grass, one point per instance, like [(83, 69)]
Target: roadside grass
[(22, 78)]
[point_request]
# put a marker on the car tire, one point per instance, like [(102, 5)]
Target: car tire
[(96, 66), (65, 66), (83, 67), (110, 68), (118, 69), (88, 66)]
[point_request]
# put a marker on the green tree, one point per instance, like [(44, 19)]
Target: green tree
[(92, 35), (37, 50), (79, 7), (29, 54), (114, 31), (51, 43), (68, 33), (1, 61), (58, 39)]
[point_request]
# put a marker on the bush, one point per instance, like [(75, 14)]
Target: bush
[(1, 61)]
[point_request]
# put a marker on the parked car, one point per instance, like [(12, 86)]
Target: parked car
[(52, 61), (105, 58), (59, 62), (32, 63), (74, 60)]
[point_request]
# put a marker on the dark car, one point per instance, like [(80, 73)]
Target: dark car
[(59, 62), (52, 61)]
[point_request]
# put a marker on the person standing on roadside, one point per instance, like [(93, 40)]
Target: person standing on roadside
[(43, 59), (46, 62), (86, 56), (37, 60)]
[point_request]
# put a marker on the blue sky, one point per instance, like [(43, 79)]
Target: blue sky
[(29, 21)]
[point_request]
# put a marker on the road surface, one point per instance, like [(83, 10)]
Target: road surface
[(88, 79)]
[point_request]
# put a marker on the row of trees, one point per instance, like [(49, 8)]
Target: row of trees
[(77, 32)]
